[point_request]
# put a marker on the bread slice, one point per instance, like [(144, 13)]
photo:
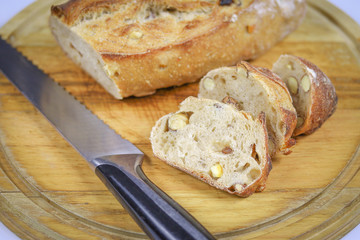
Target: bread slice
[(136, 47), (216, 143), (313, 94), (256, 90)]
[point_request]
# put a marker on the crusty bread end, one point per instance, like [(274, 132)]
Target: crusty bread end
[(136, 47), (313, 94)]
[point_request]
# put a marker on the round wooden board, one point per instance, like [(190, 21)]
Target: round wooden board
[(48, 191)]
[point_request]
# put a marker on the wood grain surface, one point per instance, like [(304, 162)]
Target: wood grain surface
[(48, 191)]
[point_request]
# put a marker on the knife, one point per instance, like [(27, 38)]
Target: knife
[(116, 161)]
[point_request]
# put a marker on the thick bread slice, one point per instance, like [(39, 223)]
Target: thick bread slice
[(256, 90), (136, 47), (313, 94), (216, 143)]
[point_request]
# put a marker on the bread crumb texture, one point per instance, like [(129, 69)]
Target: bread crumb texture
[(313, 94), (219, 144), (255, 90)]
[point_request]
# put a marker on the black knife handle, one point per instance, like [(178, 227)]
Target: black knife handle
[(157, 214)]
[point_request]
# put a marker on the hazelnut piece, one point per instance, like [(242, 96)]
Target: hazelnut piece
[(292, 85), (178, 121), (305, 83), (290, 66), (230, 101), (227, 150), (208, 84), (136, 34), (216, 171)]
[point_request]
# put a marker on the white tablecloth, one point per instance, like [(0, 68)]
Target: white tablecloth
[(9, 8)]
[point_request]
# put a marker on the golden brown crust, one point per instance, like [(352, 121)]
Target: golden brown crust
[(323, 100), (218, 38), (268, 163), (72, 10), (273, 77), (269, 75), (288, 113), (290, 119)]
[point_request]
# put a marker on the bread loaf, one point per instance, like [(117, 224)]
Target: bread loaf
[(256, 90), (215, 143), (136, 47), (313, 94)]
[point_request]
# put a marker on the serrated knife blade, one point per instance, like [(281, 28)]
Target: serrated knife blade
[(116, 161)]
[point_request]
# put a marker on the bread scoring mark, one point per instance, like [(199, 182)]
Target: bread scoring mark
[(180, 20), (77, 11), (158, 10)]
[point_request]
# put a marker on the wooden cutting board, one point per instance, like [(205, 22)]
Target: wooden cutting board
[(48, 191)]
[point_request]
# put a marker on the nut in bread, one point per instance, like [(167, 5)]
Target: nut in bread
[(316, 100), (256, 90)]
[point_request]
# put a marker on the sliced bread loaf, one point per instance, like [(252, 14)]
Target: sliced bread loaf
[(313, 94), (135, 47), (256, 90), (215, 143)]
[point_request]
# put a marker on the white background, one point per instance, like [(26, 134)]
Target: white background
[(9, 8)]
